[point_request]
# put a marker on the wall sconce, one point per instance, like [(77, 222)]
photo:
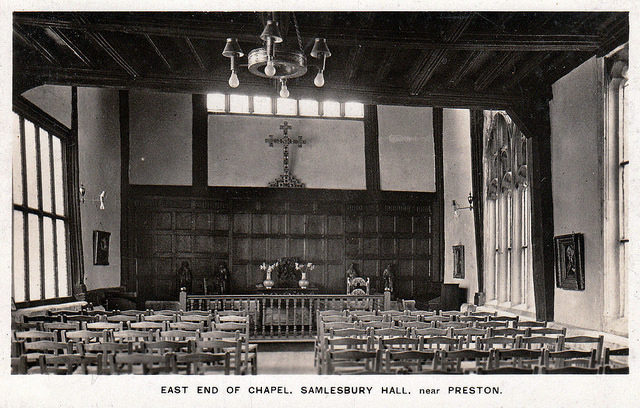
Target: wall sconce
[(100, 199), (456, 207)]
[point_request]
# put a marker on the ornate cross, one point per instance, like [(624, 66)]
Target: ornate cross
[(286, 179)]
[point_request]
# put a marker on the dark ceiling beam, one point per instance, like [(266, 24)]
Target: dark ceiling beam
[(204, 84), (72, 47), (617, 34), (489, 75), (463, 69), (355, 55), (429, 61), (195, 54), (390, 58), (102, 42), (525, 69), (158, 52), (370, 38), (32, 42)]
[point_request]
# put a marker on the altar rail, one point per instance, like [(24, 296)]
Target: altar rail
[(278, 317)]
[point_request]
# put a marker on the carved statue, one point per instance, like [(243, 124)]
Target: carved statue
[(387, 277), (220, 279), (184, 277), (352, 272)]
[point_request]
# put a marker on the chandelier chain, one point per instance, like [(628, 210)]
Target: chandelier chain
[(295, 24)]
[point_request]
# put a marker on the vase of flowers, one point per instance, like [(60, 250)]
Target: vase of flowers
[(304, 282), (268, 282)]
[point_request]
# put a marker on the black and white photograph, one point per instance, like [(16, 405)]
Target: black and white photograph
[(388, 192)]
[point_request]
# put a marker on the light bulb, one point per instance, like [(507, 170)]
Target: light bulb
[(319, 80), (284, 92), (269, 70), (233, 80)]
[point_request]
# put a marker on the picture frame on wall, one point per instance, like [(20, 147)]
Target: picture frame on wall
[(569, 261), (458, 261), (101, 247)]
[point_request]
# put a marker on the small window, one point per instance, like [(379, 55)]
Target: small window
[(353, 110), (216, 102), (331, 109), (239, 104), (262, 105), (308, 107), (286, 106)]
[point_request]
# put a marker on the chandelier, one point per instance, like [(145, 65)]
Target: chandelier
[(272, 61)]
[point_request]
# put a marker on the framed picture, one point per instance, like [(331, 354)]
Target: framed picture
[(569, 261), (458, 261), (101, 247)]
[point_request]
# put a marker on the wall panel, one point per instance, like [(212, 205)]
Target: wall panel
[(330, 228)]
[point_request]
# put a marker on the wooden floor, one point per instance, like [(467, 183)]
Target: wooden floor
[(286, 358)]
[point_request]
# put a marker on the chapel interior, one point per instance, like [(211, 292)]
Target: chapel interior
[(338, 192)]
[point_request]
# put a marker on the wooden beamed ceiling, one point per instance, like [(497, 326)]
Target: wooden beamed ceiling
[(465, 59)]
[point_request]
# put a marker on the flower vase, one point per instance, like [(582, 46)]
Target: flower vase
[(303, 282), (268, 282)]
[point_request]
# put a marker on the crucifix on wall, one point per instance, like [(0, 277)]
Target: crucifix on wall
[(286, 179)]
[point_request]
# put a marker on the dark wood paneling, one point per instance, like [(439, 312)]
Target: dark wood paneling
[(368, 229), (199, 143), (439, 173)]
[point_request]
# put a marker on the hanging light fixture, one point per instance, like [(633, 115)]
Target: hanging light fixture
[(279, 64)]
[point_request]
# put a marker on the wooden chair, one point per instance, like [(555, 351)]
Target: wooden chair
[(60, 326), (159, 318), (83, 319), (480, 313), (166, 312), (96, 312), (178, 335), (569, 358), (19, 365), (350, 332), (607, 369), (42, 319), (620, 352), (517, 357), (127, 336), (454, 360), (206, 320), (375, 325), (35, 335), (472, 319), (417, 325), (167, 346), (441, 343), (451, 313), (353, 362), (153, 326), (370, 318), (453, 325), (34, 349), (505, 371), (529, 323), (141, 363), (208, 312), (402, 318), (20, 326), (488, 343), (67, 364), (336, 318), (400, 343), (104, 350), (423, 313), (568, 370), (233, 347), (507, 332), (199, 363), (86, 336), (593, 342), (430, 331), (468, 335), (330, 343), (186, 326), (389, 332), (547, 331), (231, 318), (439, 319), (513, 319), (104, 326), (538, 342), (407, 361), (123, 318), (486, 325)]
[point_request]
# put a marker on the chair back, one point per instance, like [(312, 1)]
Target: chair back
[(133, 335), (529, 323), (204, 362), (141, 363), (596, 342)]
